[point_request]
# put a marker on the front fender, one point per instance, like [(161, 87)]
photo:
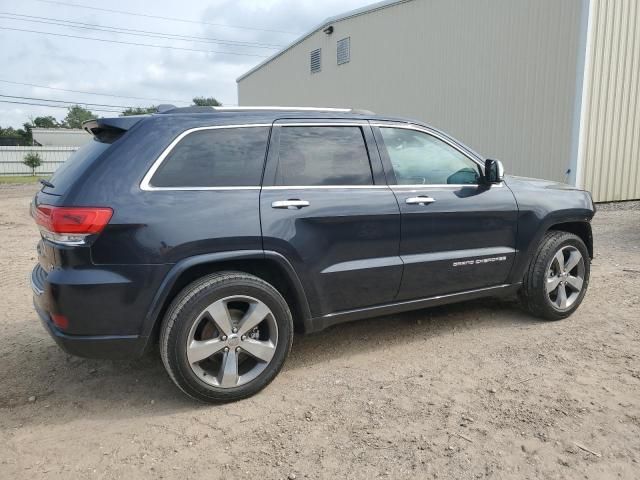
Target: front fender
[(531, 231)]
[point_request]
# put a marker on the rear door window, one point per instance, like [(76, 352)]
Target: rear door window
[(331, 155), (219, 157)]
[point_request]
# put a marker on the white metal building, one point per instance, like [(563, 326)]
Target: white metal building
[(551, 87), (60, 137)]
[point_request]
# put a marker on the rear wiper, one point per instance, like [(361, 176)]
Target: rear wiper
[(47, 183)]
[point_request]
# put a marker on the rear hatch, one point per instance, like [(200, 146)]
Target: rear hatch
[(105, 131), (53, 193)]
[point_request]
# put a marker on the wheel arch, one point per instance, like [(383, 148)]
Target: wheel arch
[(271, 267), (532, 230), (580, 228)]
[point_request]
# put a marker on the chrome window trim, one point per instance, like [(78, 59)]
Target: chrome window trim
[(146, 181), (422, 186), (278, 123), (318, 187)]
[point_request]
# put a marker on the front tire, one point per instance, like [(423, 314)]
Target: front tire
[(226, 336), (557, 277)]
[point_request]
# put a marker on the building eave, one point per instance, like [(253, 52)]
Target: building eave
[(331, 20)]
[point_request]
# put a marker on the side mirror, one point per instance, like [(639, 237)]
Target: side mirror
[(493, 171)]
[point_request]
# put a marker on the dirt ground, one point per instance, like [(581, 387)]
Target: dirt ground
[(467, 391)]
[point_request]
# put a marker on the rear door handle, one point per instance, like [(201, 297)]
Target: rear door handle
[(420, 200), (290, 204)]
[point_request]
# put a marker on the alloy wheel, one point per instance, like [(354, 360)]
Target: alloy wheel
[(565, 277), (232, 341)]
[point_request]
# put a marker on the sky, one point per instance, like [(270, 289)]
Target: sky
[(248, 31)]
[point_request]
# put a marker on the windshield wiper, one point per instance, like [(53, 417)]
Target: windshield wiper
[(47, 183)]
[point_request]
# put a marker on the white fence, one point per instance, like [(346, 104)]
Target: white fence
[(52, 157)]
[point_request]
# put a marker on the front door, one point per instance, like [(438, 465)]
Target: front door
[(326, 207), (458, 234)]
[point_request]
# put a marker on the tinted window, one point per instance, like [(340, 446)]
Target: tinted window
[(226, 157), (418, 158), (323, 156), (75, 166)]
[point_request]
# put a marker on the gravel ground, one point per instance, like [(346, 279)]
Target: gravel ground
[(476, 390)]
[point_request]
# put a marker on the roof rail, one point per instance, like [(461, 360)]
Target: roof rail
[(297, 109), (288, 109), (197, 109)]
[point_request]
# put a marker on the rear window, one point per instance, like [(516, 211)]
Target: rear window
[(223, 157), (75, 166), (323, 156)]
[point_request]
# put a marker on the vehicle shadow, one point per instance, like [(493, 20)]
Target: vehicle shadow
[(68, 387), (372, 334)]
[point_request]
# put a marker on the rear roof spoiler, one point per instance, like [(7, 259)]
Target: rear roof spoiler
[(107, 130)]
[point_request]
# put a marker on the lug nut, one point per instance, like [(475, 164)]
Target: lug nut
[(237, 349), (224, 337), (226, 349), (234, 330), (243, 337)]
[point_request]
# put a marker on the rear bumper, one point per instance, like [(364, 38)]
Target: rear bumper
[(108, 347), (92, 346)]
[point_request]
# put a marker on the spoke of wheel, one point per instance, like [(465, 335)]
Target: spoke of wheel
[(559, 259), (198, 350), (261, 350), (256, 314), (228, 376), (572, 261), (552, 283), (561, 300), (220, 316), (575, 282)]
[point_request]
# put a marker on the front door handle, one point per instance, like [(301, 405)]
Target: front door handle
[(290, 204), (419, 200)]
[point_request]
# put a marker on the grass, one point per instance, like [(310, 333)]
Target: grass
[(19, 179)]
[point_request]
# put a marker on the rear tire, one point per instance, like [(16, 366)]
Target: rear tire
[(226, 336), (557, 277)]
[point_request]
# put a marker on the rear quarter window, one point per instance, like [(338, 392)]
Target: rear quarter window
[(219, 157)]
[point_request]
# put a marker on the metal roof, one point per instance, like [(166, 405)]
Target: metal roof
[(60, 136), (324, 24)]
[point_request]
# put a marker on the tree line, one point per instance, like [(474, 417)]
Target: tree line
[(76, 116)]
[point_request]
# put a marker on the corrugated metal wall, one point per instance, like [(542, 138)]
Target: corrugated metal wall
[(500, 75), (611, 118)]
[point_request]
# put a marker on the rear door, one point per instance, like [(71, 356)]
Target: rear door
[(326, 207), (458, 234)]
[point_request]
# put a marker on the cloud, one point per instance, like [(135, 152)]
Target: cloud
[(165, 75)]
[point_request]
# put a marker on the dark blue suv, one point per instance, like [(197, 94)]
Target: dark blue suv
[(218, 232)]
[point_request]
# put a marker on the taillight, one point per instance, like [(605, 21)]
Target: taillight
[(60, 321), (70, 225)]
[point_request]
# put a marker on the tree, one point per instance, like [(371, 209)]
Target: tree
[(206, 102), (76, 116), (33, 161), (138, 111), (11, 136), (45, 122), (38, 122)]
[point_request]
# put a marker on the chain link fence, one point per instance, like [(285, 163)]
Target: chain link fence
[(52, 157)]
